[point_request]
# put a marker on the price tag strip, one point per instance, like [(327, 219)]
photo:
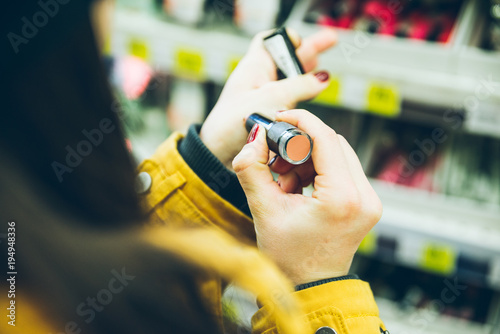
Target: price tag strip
[(138, 47), (439, 258), (189, 63), (357, 93), (383, 99)]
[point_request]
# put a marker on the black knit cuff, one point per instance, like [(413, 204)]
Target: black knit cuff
[(211, 171), (324, 281)]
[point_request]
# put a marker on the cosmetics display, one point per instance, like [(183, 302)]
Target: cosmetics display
[(416, 293), (188, 12), (491, 40), (432, 159), (186, 106), (423, 20)]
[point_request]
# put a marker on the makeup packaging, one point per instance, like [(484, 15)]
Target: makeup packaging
[(281, 49), (289, 142), (189, 12), (187, 105), (253, 16)]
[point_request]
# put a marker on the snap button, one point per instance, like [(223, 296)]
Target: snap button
[(143, 182), (326, 330)]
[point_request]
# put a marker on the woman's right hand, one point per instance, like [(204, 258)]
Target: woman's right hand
[(309, 238)]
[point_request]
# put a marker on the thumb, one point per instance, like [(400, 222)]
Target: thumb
[(288, 92), (252, 170)]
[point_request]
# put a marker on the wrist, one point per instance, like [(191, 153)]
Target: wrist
[(215, 145), (315, 273), (324, 281)]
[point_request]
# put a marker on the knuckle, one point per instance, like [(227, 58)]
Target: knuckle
[(374, 213), (351, 206), (346, 207), (240, 162)]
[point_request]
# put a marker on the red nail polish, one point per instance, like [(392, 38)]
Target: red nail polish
[(253, 133), (322, 76)]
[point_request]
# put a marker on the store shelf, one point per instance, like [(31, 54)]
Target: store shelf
[(198, 54), (395, 70), (453, 237), (425, 321), (448, 76)]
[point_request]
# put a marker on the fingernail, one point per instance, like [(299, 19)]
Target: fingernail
[(272, 160), (253, 133), (322, 76)]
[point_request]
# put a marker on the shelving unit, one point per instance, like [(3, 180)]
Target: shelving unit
[(389, 77), (404, 69), (433, 231), (385, 73)]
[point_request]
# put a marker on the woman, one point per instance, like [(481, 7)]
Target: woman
[(96, 252)]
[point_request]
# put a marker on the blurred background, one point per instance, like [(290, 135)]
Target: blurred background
[(416, 91)]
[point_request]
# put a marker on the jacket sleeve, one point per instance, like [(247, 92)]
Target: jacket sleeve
[(343, 307), (176, 196)]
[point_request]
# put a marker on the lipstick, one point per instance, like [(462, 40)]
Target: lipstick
[(281, 48), (289, 142)]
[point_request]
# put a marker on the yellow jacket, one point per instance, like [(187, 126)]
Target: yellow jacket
[(176, 198)]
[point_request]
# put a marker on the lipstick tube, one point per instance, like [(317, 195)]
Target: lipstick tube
[(284, 139), (281, 49)]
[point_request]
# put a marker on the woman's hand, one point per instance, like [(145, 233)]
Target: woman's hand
[(310, 238), (252, 87)]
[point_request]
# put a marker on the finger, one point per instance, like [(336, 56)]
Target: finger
[(315, 44), (280, 166), (254, 70), (289, 182), (288, 92), (327, 156), (294, 37), (253, 173), (355, 168), (305, 173), (310, 65)]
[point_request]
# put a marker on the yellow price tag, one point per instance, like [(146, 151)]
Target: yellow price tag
[(233, 62), (189, 63), (384, 99), (139, 48), (331, 95), (438, 258), (369, 244)]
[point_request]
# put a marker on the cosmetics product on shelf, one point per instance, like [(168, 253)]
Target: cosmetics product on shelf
[(415, 291), (253, 16), (187, 105), (421, 20), (185, 11), (133, 75), (139, 5), (491, 12), (455, 164)]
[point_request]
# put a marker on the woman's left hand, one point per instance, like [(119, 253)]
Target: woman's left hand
[(252, 87)]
